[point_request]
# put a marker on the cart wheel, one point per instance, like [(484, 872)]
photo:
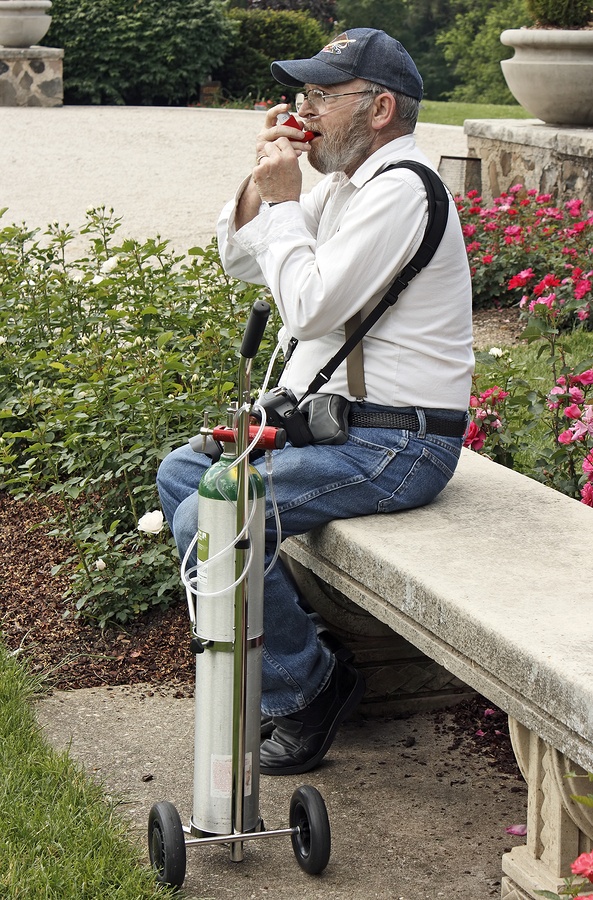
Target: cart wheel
[(166, 844), (312, 842)]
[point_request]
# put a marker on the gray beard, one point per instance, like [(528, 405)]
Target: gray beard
[(343, 151)]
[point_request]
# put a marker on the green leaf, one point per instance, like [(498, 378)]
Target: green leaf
[(586, 800), (164, 338)]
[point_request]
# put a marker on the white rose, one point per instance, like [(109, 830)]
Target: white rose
[(495, 351), (110, 265), (151, 522), (100, 565)]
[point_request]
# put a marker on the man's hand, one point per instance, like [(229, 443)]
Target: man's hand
[(271, 132), (276, 176)]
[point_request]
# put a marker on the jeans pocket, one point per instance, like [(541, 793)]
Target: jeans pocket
[(421, 480)]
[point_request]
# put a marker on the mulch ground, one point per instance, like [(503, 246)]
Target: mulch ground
[(69, 652), (72, 653)]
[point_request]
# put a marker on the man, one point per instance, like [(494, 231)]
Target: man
[(326, 257)]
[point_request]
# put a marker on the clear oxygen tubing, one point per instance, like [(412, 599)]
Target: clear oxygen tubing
[(189, 574)]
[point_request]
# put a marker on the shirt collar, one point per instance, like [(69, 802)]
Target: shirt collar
[(400, 148)]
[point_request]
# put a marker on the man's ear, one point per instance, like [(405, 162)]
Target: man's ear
[(384, 111)]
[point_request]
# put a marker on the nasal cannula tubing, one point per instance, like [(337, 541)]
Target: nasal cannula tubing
[(189, 575)]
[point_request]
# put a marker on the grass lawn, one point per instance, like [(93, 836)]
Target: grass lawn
[(61, 838), (440, 113)]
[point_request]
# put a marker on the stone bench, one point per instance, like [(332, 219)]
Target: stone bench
[(493, 583)]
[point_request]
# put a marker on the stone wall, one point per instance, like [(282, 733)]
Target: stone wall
[(555, 160), (31, 76)]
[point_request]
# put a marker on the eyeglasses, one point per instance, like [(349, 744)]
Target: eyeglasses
[(315, 98)]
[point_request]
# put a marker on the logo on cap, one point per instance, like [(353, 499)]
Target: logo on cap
[(338, 44)]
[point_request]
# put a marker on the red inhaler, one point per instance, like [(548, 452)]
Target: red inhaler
[(289, 119)]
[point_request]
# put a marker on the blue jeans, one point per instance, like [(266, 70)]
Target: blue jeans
[(378, 470)]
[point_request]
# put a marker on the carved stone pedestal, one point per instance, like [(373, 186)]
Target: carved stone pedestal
[(31, 76), (558, 828)]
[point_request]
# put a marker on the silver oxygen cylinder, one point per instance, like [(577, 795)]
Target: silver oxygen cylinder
[(216, 689)]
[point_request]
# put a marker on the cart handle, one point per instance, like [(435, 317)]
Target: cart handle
[(255, 329)]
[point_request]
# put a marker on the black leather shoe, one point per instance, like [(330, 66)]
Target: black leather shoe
[(267, 726), (300, 741)]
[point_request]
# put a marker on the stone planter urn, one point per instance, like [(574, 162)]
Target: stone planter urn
[(551, 73), (23, 23)]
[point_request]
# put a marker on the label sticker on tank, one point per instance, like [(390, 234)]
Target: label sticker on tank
[(203, 553), (221, 775)]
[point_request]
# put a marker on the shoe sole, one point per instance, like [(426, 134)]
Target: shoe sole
[(351, 703)]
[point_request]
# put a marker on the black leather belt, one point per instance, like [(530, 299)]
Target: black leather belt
[(409, 422)]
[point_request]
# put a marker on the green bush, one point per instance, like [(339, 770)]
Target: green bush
[(263, 36), (561, 13), (323, 11), (144, 53), (106, 363)]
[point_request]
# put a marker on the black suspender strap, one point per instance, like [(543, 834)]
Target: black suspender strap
[(438, 213)]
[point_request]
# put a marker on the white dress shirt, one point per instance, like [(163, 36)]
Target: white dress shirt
[(335, 253)]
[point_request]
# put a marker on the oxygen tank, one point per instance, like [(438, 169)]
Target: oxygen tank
[(216, 675)]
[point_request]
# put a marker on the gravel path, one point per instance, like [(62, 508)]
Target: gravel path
[(163, 170)]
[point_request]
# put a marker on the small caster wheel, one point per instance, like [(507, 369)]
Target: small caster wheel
[(166, 844), (312, 841)]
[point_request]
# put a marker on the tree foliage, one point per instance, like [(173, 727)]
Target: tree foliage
[(416, 25), (455, 43), (472, 48)]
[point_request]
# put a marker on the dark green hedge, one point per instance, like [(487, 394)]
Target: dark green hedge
[(263, 36), (138, 52)]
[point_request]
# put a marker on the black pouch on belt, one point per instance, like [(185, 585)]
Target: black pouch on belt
[(327, 416)]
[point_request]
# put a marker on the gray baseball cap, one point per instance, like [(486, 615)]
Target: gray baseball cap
[(358, 53)]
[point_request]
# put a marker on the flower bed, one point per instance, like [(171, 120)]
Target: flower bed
[(524, 251)]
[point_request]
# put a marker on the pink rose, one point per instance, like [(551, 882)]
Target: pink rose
[(584, 378), (576, 394), (588, 466), (583, 865), (475, 438), (567, 437), (573, 411), (574, 207), (521, 278)]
